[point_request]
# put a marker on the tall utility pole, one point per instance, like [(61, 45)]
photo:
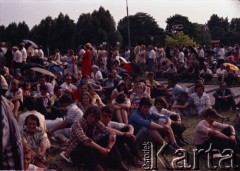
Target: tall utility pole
[(128, 25)]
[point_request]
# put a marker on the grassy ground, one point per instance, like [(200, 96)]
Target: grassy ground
[(190, 123)]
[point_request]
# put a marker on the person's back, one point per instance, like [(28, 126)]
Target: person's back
[(11, 143)]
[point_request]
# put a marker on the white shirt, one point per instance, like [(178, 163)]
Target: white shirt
[(220, 72), (40, 53), (57, 58), (97, 76), (69, 87), (208, 71), (116, 125), (201, 53), (221, 53), (17, 56), (24, 54), (181, 57), (152, 55), (202, 129), (74, 113), (81, 53), (200, 103)]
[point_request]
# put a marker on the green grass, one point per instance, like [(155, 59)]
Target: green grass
[(190, 123)]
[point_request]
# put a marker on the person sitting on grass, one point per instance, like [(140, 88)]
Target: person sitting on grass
[(210, 132), (124, 133), (173, 119), (121, 105), (183, 103), (33, 135), (224, 98), (15, 95), (91, 142), (62, 129), (145, 126), (28, 158)]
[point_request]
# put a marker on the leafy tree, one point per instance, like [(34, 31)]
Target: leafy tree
[(11, 33), (235, 25), (61, 32), (202, 34), (217, 33), (179, 40), (83, 29), (96, 28), (2, 34), (179, 23), (216, 21), (106, 26), (143, 29), (23, 31), (230, 38), (41, 33)]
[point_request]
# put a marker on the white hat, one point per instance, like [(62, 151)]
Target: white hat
[(14, 47), (95, 66)]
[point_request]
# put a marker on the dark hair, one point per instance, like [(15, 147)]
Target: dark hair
[(145, 101), (199, 85), (222, 82), (120, 84), (210, 112), (161, 100), (66, 99), (110, 76), (95, 110), (108, 110), (32, 117), (150, 74), (57, 88), (30, 103), (85, 76), (120, 98)]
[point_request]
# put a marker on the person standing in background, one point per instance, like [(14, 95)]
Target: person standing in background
[(87, 60)]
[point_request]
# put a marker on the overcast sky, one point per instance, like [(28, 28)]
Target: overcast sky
[(33, 11)]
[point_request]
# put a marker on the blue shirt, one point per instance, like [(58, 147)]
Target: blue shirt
[(137, 120)]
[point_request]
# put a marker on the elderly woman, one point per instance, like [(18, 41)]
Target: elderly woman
[(201, 100), (36, 138), (96, 75)]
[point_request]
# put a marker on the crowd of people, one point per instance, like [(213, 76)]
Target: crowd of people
[(102, 104)]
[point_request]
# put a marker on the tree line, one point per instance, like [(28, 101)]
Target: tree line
[(99, 26)]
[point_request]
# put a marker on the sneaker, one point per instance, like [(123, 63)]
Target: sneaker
[(67, 159)]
